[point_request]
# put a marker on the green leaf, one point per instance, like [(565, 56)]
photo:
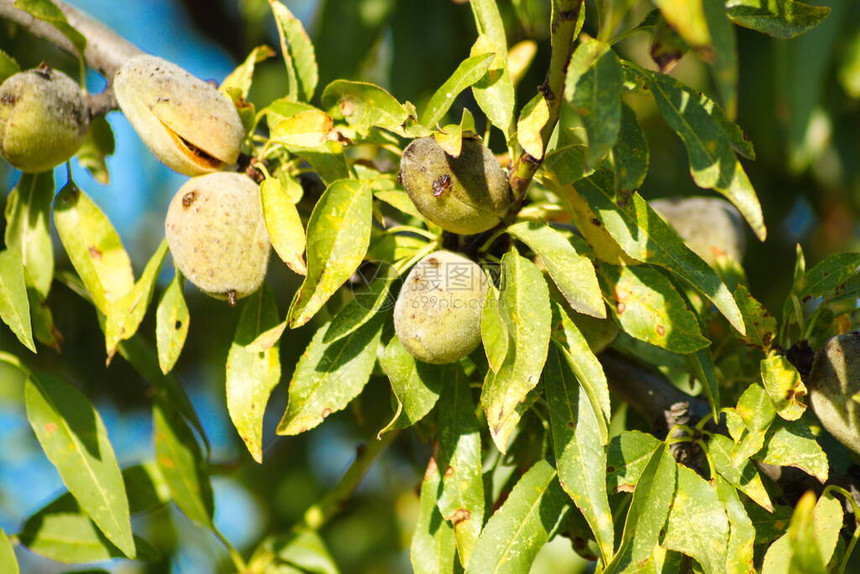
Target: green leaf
[(525, 311), (366, 303), (8, 66), (181, 464), (777, 18), (697, 524), (61, 531), (28, 227), (688, 18), (467, 73), (75, 440), (146, 488), (416, 385), (125, 314), (578, 449), (251, 374), (96, 148), (572, 273), (756, 413), (494, 93), (14, 304), (531, 125), (649, 308), (828, 275), (722, 55), (794, 552), (143, 358), (520, 528), (645, 236), (593, 90), (585, 366), (242, 77), (304, 550), (284, 224), (702, 365), (48, 11), (567, 160), (627, 456), (171, 324), (630, 156), (8, 562), (648, 512), (93, 246), (791, 443), (433, 544), (739, 548), (784, 385), (461, 496), (827, 521), (364, 105), (744, 477), (328, 376), (761, 325), (494, 334), (298, 52), (713, 163), (338, 237), (307, 129)]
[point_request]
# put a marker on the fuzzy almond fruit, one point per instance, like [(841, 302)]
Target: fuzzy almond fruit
[(43, 119), (217, 236), (437, 316), (186, 123), (832, 382), (710, 226), (466, 194)]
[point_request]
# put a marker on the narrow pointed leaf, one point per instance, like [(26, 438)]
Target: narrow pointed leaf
[(126, 313), (14, 304), (630, 156), (298, 52), (744, 477), (63, 532), (284, 225), (28, 227), (785, 387), (648, 512), (338, 237), (494, 333), (739, 549), (627, 456), (572, 273), (520, 528), (461, 497), (649, 308), (494, 92), (467, 73), (48, 11), (100, 144), (433, 545), (171, 324), (180, 462), (364, 105), (688, 18), (415, 384), (251, 374), (329, 376), (366, 303), (593, 90), (578, 449), (525, 310), (791, 443), (780, 19), (761, 325), (93, 246), (828, 275), (702, 366), (8, 66), (75, 440), (586, 367), (242, 77), (696, 503), (8, 562), (713, 163), (645, 236)]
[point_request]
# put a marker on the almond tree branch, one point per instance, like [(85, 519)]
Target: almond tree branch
[(564, 27), (106, 50)]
